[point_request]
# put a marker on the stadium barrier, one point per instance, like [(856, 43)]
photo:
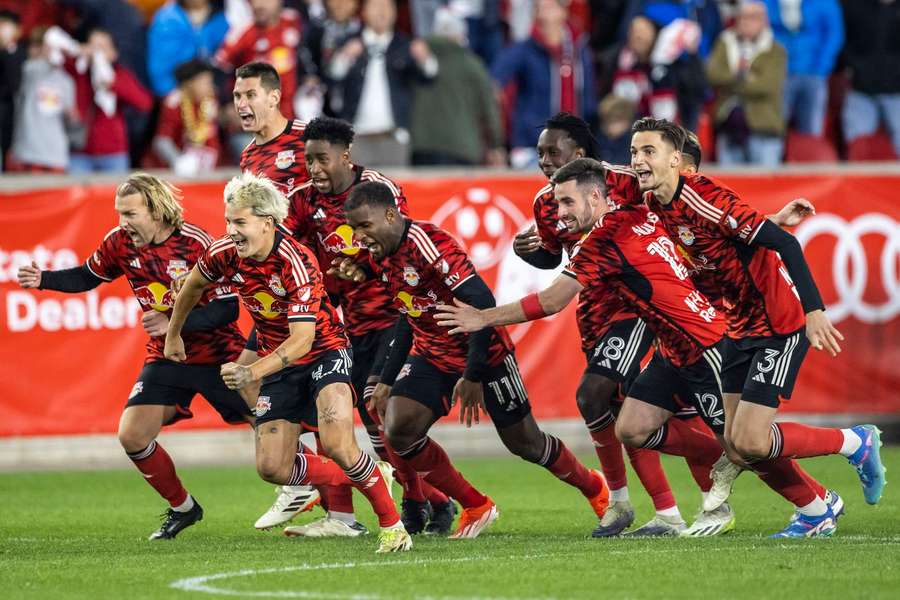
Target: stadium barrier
[(69, 361)]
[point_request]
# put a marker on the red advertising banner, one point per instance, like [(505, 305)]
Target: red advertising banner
[(68, 361)]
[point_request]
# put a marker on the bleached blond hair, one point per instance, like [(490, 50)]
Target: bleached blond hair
[(258, 194), (163, 199)]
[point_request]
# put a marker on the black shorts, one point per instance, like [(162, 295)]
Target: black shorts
[(669, 387), (505, 397), (619, 352), (369, 353), (167, 383), (290, 394), (763, 370)]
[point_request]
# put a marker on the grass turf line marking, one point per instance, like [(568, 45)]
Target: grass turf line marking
[(199, 584)]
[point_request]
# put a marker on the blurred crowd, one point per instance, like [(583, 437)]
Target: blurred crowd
[(108, 85)]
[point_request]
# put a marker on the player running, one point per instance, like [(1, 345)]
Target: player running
[(749, 265), (153, 248), (428, 371), (614, 341), (316, 218), (304, 354)]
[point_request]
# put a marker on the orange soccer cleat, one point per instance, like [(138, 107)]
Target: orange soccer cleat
[(474, 520), (600, 501)]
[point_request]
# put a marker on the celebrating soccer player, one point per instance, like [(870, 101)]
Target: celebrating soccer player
[(304, 354), (428, 370), (153, 248), (744, 262)]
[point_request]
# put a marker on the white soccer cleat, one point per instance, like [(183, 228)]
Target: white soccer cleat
[(326, 527), (387, 473), (716, 522), (723, 474), (291, 501), (659, 526), (394, 540)]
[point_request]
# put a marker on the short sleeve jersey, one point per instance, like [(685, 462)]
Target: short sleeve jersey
[(281, 159), (150, 271), (318, 221), (424, 271), (286, 287), (631, 252), (714, 232)]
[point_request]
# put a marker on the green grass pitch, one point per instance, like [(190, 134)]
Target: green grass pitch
[(83, 535)]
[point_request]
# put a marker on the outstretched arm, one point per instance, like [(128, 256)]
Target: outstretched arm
[(794, 212), (76, 279)]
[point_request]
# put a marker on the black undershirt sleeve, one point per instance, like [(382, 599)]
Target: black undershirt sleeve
[(212, 316), (542, 259), (773, 237), (76, 279), (475, 292), (398, 352)]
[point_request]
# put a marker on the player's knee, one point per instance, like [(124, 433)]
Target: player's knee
[(529, 450), (630, 435), (594, 396), (272, 470), (748, 445), (133, 441)]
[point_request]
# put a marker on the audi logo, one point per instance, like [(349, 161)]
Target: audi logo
[(849, 266)]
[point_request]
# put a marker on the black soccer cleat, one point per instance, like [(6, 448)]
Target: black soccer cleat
[(176, 521), (442, 516), (414, 515)]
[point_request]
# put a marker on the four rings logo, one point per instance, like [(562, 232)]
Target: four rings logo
[(850, 265)]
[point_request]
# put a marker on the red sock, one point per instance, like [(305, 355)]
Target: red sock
[(313, 469), (785, 477), (560, 461), (794, 440), (428, 458), (367, 478), (701, 469), (159, 471), (680, 438), (336, 498), (817, 487), (647, 466), (609, 451), (432, 494), (406, 476)]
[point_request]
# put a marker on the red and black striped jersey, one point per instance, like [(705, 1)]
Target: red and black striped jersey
[(597, 308), (427, 266), (318, 221), (714, 230), (286, 287), (282, 159), (630, 251), (150, 271)]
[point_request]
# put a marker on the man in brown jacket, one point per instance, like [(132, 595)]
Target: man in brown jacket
[(747, 69)]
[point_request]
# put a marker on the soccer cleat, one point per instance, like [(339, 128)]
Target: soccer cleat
[(659, 526), (834, 502), (327, 527), (474, 520), (387, 473), (600, 501), (709, 523), (393, 540), (442, 516), (291, 501), (867, 461), (619, 517), (414, 515), (175, 521), (805, 526), (723, 474)]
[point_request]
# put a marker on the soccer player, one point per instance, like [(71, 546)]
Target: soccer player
[(316, 218), (153, 248), (428, 370), (746, 263), (304, 354), (614, 341), (624, 252)]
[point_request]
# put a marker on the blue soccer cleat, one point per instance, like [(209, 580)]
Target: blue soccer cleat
[(805, 526), (834, 502), (867, 460)]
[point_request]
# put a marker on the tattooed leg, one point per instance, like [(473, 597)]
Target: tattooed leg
[(335, 407)]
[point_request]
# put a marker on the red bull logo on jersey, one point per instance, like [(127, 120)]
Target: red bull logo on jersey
[(276, 286), (156, 295), (264, 304), (410, 276), (414, 306), (685, 235), (284, 159), (263, 405), (341, 241), (177, 269)]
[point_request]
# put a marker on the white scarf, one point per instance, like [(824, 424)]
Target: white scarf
[(747, 50)]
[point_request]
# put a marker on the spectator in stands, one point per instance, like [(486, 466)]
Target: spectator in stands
[(273, 37), (614, 133), (46, 111), (187, 135), (180, 31), (456, 119), (377, 70), (873, 58), (483, 24), (102, 87), (747, 70), (12, 57), (124, 23), (812, 32), (552, 71)]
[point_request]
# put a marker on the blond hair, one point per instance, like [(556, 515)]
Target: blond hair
[(163, 199), (257, 193)]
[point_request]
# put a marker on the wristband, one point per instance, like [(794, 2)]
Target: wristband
[(531, 306)]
